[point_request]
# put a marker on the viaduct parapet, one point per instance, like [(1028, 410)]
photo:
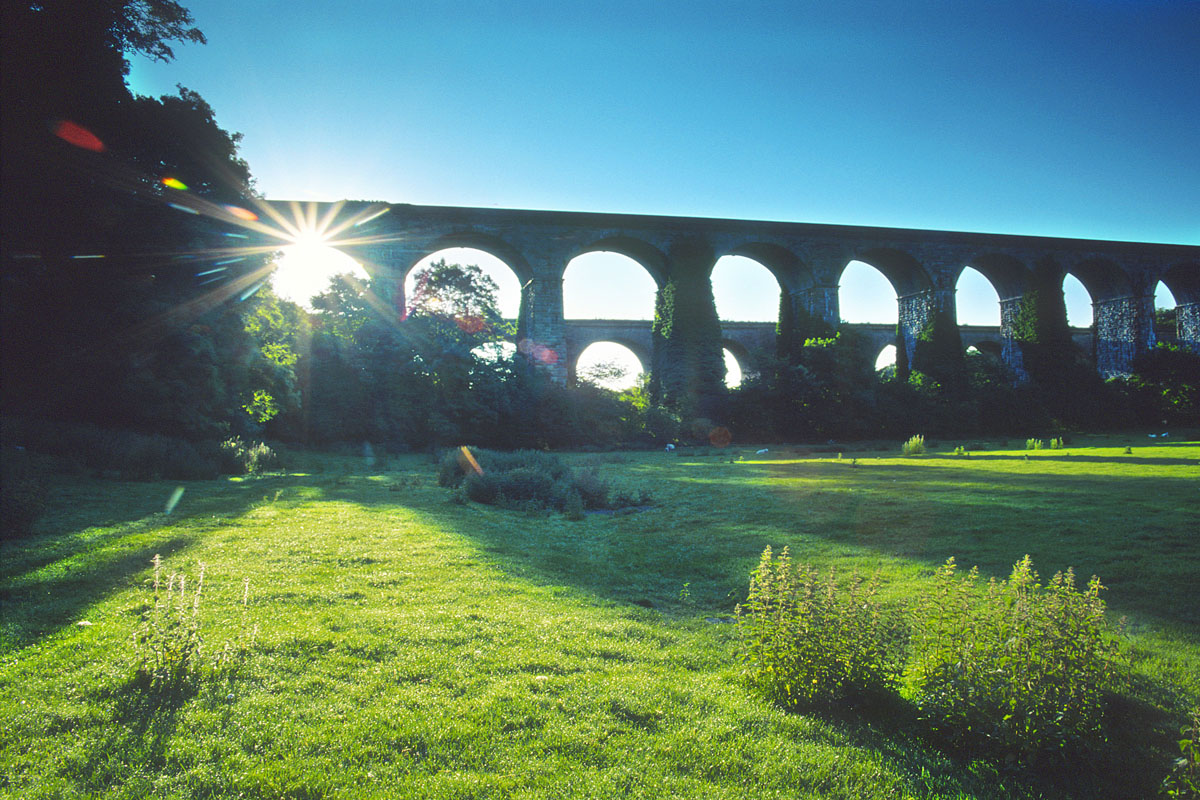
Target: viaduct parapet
[(807, 259)]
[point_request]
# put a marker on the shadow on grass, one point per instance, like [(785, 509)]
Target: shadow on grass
[(37, 609), (1128, 764), (135, 744), (1040, 455), (49, 578)]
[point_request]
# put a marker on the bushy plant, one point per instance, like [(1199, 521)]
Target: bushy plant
[(808, 640), (1035, 444), (1056, 444), (240, 458), (168, 644), (1184, 779), (123, 454), (527, 480), (1017, 670), (168, 641), (915, 446)]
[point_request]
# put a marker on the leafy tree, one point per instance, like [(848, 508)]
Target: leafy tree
[(128, 336), (1164, 386)]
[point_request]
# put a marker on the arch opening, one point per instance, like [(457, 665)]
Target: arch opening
[(1078, 301), (733, 369), (508, 294), (865, 295), (1164, 298), (745, 290), (609, 365), (886, 358), (607, 285), (305, 269), (1165, 316), (976, 299)]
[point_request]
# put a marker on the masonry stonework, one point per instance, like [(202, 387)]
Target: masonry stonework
[(1124, 328), (807, 259)]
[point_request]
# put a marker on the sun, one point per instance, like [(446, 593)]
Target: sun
[(305, 268)]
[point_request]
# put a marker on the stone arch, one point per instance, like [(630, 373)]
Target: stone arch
[(749, 272), (474, 240), (885, 357), (986, 346), (647, 256), (734, 372), (902, 270), (507, 279), (1104, 279), (1008, 276), (1183, 280), (977, 303), (583, 285), (633, 349), (790, 272), (1073, 304), (739, 353), (870, 287)]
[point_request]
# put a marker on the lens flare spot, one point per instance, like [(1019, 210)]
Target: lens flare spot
[(547, 355), (174, 499), (184, 209), (720, 437), (242, 213), (78, 258), (470, 323), (79, 136), (467, 460), (253, 290), (174, 183)]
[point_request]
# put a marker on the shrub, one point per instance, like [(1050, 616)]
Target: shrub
[(1020, 671), (961, 451), (168, 641), (1184, 780), (1056, 444), (915, 446), (591, 488), (808, 641), (171, 656), (526, 480), (239, 458), (125, 454), (1035, 444)]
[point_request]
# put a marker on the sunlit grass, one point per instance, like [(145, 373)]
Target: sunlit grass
[(409, 646)]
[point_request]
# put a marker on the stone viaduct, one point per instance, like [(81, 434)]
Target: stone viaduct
[(744, 339), (807, 259)]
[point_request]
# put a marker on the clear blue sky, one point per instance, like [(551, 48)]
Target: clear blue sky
[(1078, 119)]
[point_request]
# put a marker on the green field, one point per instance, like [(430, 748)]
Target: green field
[(408, 646)]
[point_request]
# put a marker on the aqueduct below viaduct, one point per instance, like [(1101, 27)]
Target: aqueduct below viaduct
[(806, 259)]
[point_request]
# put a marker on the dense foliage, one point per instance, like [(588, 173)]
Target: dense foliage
[(1022, 671), (529, 480), (1016, 670), (809, 640), (121, 308)]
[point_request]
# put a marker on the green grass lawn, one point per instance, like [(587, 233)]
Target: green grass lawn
[(411, 647)]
